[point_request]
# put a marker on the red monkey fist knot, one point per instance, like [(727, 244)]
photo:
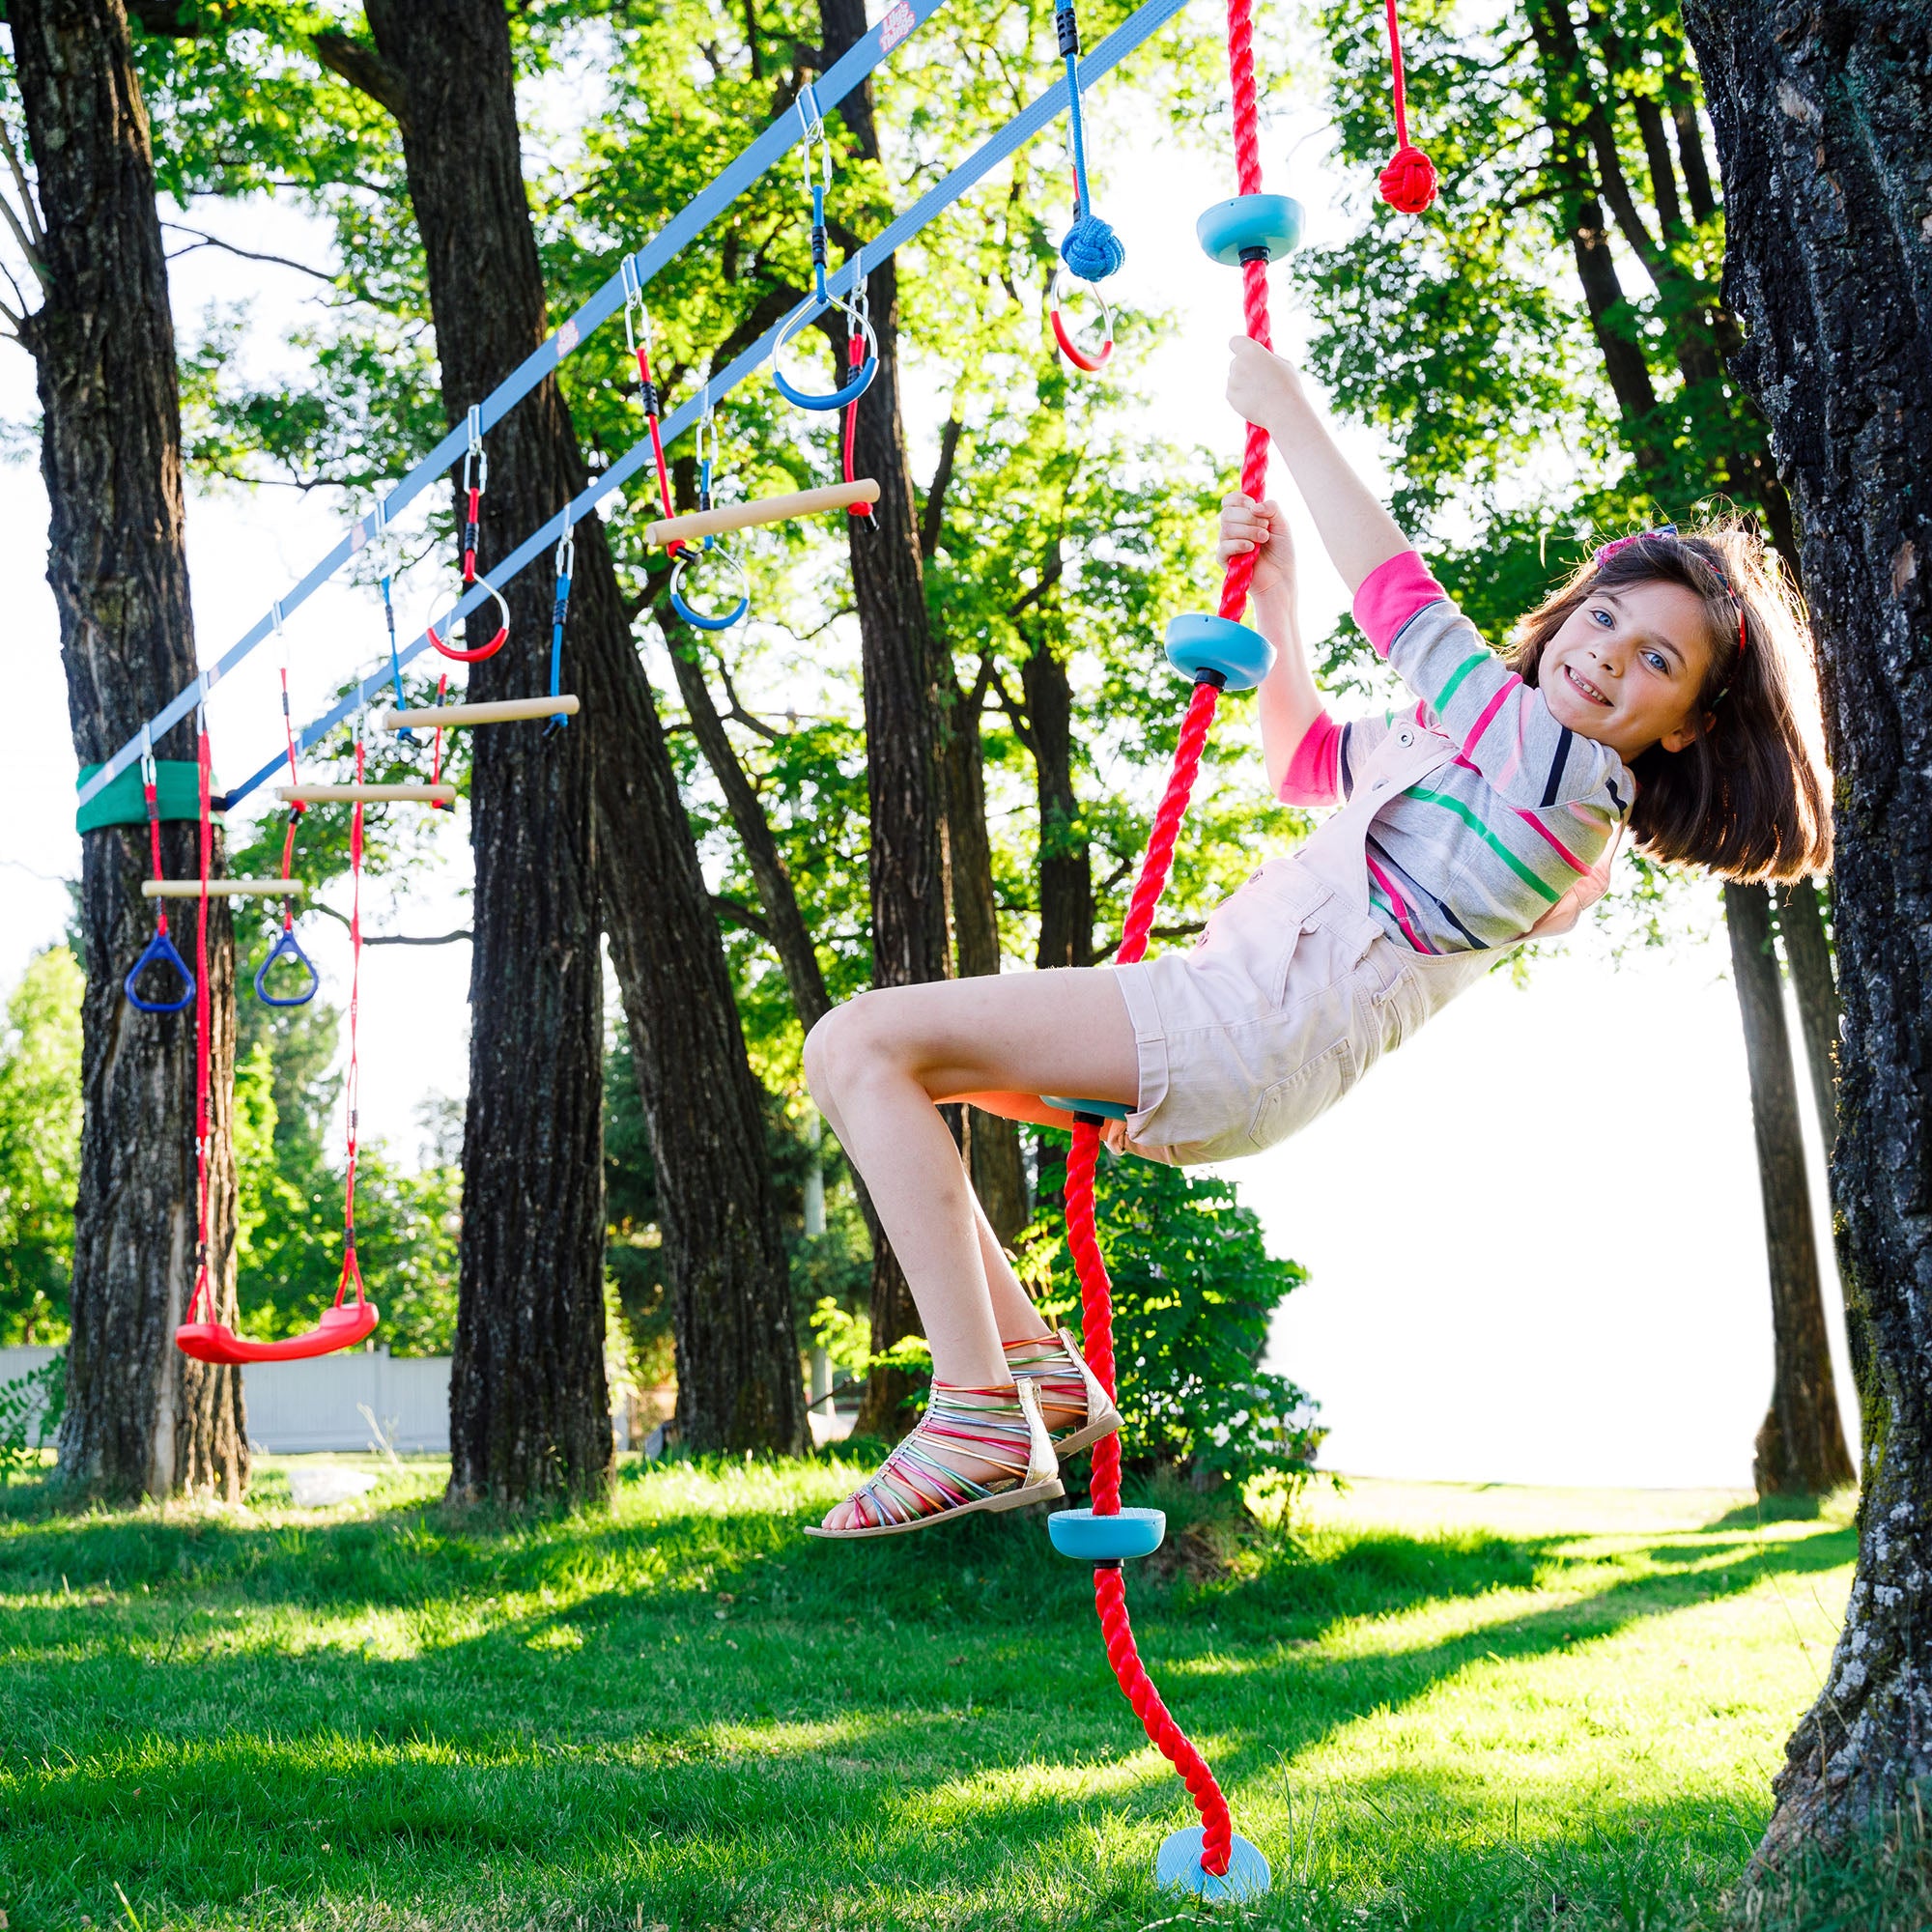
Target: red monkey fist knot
[(1409, 181)]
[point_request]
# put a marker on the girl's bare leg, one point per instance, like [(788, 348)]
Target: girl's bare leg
[(879, 1064)]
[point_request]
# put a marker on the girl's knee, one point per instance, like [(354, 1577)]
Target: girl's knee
[(841, 1040)]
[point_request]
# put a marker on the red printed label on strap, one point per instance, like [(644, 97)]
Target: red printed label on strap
[(897, 24)]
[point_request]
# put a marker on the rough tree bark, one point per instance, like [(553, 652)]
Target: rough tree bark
[(1801, 1447), (737, 1358), (1824, 121), (902, 770), (141, 1419)]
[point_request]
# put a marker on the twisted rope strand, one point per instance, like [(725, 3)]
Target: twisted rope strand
[(1110, 1595)]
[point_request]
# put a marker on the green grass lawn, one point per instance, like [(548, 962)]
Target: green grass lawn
[(1431, 1706)]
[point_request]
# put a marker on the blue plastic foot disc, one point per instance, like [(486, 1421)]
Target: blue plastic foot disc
[(1088, 1538), (1108, 1110), (1269, 221), (1178, 1866), (1200, 642)]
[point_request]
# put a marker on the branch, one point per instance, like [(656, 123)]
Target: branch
[(1048, 578), (1186, 930), (934, 522), (739, 914), (203, 240), (739, 715), (33, 235), (395, 938), (366, 70)]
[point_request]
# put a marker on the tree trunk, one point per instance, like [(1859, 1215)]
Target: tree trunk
[(141, 1417), (790, 937), (1801, 1448), (1807, 951), (1824, 123), (1801, 924), (992, 1144), (729, 1288), (902, 771), (1066, 861), (528, 1404)]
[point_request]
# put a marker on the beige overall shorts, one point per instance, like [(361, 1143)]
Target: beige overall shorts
[(1294, 990)]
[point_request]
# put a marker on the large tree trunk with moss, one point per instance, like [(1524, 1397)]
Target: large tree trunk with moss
[(527, 1390), (1801, 1447), (1824, 120), (141, 1419), (902, 770)]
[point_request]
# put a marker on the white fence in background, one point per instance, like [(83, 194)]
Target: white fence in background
[(298, 1406)]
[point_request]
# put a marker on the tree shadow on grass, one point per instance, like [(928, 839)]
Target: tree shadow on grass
[(699, 1687)]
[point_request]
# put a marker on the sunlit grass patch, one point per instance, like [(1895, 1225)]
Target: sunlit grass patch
[(1433, 1707)]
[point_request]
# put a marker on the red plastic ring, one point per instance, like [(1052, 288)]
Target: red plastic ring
[(1090, 360), (482, 651)]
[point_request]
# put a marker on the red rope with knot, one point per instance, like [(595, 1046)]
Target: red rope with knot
[(1097, 1302), (1409, 181)]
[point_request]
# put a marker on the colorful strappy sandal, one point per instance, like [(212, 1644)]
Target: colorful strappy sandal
[(916, 1487), (1064, 1380)]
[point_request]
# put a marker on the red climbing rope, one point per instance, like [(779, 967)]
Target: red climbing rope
[(1409, 181), (1095, 1290), (204, 1124)]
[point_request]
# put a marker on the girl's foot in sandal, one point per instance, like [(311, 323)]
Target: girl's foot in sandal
[(973, 1449), (1077, 1410)]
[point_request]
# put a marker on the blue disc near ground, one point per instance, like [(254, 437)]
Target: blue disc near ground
[(1177, 1867), (1088, 1538)]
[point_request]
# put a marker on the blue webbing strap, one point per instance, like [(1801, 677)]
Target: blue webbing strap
[(1121, 42), (899, 23)]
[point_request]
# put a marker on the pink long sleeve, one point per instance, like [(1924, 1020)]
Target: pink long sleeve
[(1391, 594), (1313, 774)]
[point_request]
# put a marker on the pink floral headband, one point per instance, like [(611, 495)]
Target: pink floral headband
[(1604, 552)]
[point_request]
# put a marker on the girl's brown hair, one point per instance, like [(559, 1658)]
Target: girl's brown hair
[(1750, 798)]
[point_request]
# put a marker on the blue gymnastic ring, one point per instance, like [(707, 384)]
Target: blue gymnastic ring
[(1261, 226), (697, 619), (161, 953), (808, 310), (1201, 643), (289, 946)]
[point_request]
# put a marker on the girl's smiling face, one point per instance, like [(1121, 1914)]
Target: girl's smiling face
[(1627, 666)]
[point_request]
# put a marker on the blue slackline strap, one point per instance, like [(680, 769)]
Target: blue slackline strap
[(1139, 27), (899, 22)]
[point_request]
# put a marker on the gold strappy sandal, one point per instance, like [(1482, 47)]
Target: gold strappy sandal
[(1064, 1382), (917, 1487)]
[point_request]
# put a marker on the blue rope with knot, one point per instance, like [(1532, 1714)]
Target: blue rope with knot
[(1090, 249)]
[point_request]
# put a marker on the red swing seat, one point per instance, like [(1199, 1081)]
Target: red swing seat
[(340, 1328)]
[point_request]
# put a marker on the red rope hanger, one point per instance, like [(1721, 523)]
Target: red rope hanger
[(1409, 181)]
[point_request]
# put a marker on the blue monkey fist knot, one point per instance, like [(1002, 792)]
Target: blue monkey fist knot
[(1092, 251)]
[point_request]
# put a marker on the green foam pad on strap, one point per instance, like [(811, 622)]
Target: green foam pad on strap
[(120, 802)]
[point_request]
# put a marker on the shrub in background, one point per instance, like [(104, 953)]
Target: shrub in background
[(1195, 1290)]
